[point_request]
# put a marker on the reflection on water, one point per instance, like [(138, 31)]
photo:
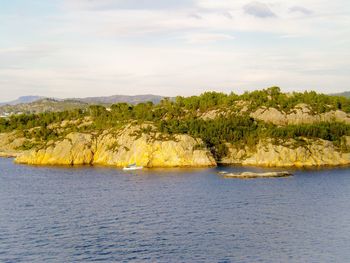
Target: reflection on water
[(172, 215)]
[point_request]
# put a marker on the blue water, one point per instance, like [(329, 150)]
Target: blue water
[(58, 214)]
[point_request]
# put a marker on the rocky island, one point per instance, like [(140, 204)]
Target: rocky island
[(262, 128)]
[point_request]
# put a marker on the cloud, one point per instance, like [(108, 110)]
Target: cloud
[(300, 9), (111, 68), (258, 9), (227, 14), (171, 48), (290, 36), (172, 71), (203, 38), (21, 56), (206, 16), (194, 15), (127, 4)]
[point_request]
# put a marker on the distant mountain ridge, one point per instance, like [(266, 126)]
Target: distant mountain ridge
[(37, 104), (132, 99), (22, 99), (135, 99), (342, 94)]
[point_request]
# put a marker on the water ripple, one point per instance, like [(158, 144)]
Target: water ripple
[(57, 214)]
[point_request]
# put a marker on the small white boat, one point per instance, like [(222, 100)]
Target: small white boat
[(131, 167)]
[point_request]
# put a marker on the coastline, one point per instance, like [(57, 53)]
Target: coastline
[(13, 156), (9, 155)]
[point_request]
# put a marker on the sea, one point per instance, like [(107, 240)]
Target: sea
[(103, 214)]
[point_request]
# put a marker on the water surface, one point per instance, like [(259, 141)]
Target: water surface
[(62, 214)]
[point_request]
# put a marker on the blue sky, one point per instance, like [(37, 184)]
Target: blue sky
[(79, 48)]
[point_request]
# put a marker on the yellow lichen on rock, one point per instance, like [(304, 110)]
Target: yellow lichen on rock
[(74, 149), (148, 151), (10, 144), (300, 114), (122, 149), (266, 153), (131, 145)]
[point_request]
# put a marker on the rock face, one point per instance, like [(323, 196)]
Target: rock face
[(301, 114), (210, 115), (74, 149), (122, 148), (151, 149), (313, 153), (147, 150), (9, 144)]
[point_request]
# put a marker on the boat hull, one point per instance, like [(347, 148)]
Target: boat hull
[(132, 168)]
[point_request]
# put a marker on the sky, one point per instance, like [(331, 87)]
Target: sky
[(81, 48)]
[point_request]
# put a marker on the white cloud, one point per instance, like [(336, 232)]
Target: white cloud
[(207, 17), (203, 38), (90, 47), (300, 9), (126, 4), (131, 69), (258, 9)]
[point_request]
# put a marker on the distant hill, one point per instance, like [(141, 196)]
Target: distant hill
[(23, 99), (37, 104), (122, 98), (343, 94), (42, 105)]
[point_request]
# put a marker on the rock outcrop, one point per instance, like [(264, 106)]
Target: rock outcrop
[(10, 144), (301, 114), (122, 148), (152, 149), (311, 153)]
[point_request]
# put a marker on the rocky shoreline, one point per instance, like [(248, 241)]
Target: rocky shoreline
[(268, 153), (78, 149), (120, 149), (8, 155), (128, 145)]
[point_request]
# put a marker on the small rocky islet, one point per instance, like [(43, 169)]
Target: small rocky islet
[(253, 175)]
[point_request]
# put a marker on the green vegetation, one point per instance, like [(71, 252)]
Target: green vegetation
[(182, 116), (244, 130), (272, 97), (27, 145), (28, 121)]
